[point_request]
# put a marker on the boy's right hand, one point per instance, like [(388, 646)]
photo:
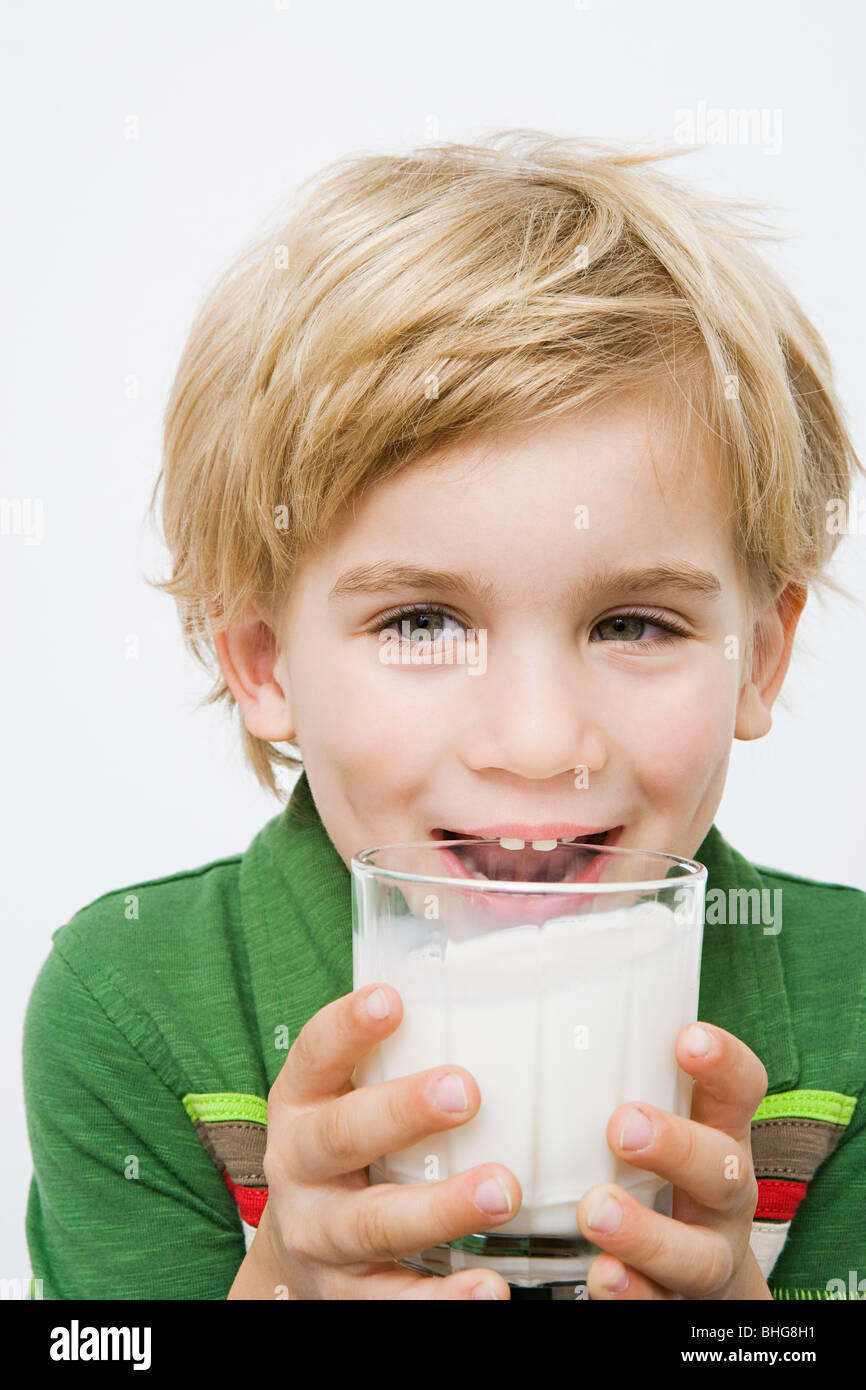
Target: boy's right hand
[(328, 1230)]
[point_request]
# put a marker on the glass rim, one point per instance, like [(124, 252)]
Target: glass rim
[(363, 868)]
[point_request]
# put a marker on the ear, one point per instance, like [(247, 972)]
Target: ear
[(771, 655), (247, 654)]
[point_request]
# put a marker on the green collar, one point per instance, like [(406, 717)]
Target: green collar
[(297, 910)]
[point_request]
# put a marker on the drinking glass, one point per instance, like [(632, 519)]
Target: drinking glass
[(559, 974)]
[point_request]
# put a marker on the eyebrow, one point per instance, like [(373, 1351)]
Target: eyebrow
[(681, 577)]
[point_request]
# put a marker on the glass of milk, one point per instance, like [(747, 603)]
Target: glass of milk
[(559, 974)]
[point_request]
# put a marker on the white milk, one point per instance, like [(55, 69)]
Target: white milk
[(559, 1025)]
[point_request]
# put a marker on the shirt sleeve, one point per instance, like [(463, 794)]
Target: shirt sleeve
[(825, 1250), (124, 1202)]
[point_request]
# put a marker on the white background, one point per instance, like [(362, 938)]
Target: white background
[(110, 773)]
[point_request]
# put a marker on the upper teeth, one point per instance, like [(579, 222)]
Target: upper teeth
[(521, 844)]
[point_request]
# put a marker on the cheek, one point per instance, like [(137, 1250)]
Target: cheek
[(375, 723), (681, 731)]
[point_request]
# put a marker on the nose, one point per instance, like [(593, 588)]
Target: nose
[(536, 717)]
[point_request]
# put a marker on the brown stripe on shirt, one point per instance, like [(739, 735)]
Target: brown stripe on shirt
[(236, 1147), (792, 1148)]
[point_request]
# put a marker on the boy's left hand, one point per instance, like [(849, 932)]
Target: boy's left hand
[(702, 1251)]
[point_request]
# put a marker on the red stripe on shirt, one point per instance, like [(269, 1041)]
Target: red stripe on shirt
[(251, 1200), (778, 1199)]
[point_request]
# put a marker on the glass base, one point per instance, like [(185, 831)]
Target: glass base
[(528, 1263), (525, 1262)]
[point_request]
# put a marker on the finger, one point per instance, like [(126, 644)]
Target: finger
[(609, 1279), (731, 1081), (467, 1284), (390, 1221), (691, 1260), (707, 1164), (408, 1284), (346, 1134), (331, 1043)]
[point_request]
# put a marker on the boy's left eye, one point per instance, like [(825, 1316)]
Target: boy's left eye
[(626, 627)]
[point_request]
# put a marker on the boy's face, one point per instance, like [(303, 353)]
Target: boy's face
[(398, 752)]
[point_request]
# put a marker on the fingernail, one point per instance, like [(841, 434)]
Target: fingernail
[(605, 1214), (483, 1291), (451, 1093), (637, 1131), (698, 1041), (377, 1004), (615, 1280), (492, 1198)]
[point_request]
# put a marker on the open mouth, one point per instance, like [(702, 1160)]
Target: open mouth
[(559, 861)]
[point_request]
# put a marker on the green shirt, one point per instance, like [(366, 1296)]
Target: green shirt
[(163, 1013)]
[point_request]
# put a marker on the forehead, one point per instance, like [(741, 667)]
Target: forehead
[(544, 506), (647, 442)]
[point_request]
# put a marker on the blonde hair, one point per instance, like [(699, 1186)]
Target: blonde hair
[(413, 300)]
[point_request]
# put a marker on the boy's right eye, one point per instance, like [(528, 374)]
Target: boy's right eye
[(418, 618)]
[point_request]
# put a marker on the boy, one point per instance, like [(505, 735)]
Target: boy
[(540, 393)]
